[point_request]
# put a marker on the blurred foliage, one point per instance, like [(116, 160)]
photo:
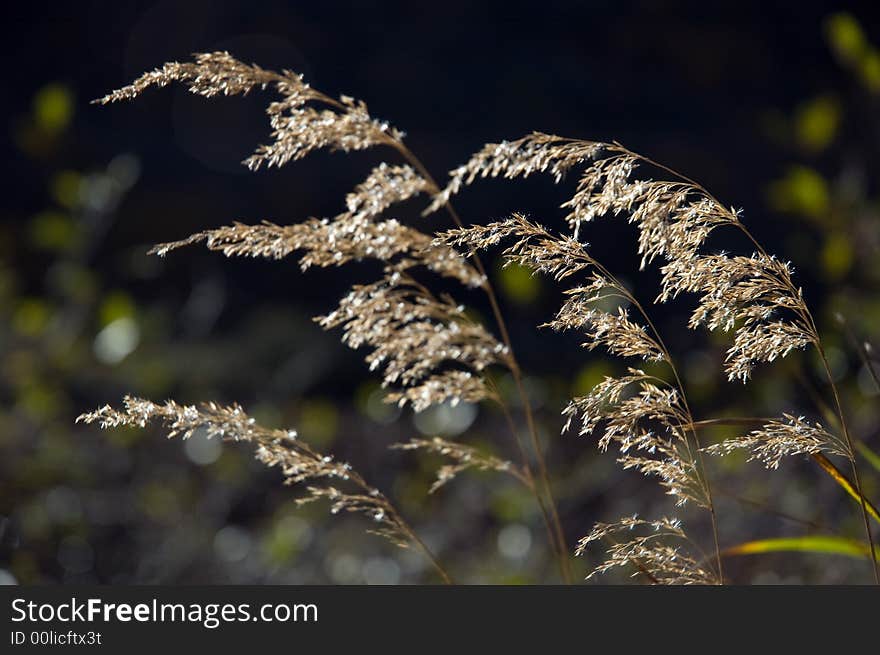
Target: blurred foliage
[(849, 42), (802, 191), (816, 123), (53, 109), (835, 182), (519, 284)]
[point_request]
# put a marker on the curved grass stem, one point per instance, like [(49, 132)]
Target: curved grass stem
[(806, 317), (550, 512), (704, 479)]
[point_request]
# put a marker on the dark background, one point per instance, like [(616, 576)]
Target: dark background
[(756, 100)]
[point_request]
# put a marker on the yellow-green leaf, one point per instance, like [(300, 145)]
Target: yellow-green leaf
[(828, 545), (845, 484)]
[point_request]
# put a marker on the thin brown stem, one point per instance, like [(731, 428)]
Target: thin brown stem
[(639, 565), (733, 420), (515, 370), (406, 528), (855, 468), (529, 481), (702, 463), (824, 463), (861, 349), (542, 469), (826, 410), (764, 507), (804, 313), (668, 357), (431, 558), (508, 418)]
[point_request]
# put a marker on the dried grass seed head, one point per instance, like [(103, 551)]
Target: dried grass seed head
[(792, 435), (462, 458), (647, 554), (296, 460)]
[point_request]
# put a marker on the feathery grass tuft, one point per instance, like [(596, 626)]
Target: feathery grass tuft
[(429, 350)]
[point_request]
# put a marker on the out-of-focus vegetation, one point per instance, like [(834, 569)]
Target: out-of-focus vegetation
[(830, 194)]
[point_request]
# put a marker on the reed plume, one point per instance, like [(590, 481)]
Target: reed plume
[(778, 439), (395, 306), (651, 553), (754, 296), (325, 477), (430, 350), (649, 428)]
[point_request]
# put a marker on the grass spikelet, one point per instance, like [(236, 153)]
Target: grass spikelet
[(300, 464), (462, 458)]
